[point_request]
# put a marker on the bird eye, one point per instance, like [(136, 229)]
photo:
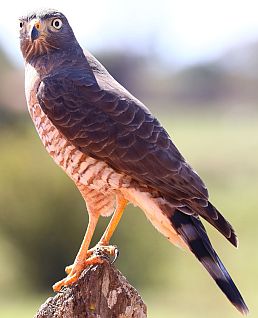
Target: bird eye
[(21, 24), (57, 24)]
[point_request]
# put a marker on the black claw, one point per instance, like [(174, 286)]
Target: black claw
[(105, 254), (116, 255), (101, 252)]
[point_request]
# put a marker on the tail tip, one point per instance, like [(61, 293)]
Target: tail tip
[(242, 308), (234, 239)]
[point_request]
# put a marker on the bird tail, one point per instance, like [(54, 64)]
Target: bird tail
[(194, 235), (215, 218)]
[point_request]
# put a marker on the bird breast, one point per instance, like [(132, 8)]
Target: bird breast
[(88, 173)]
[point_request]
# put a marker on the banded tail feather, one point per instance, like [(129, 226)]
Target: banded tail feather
[(194, 234)]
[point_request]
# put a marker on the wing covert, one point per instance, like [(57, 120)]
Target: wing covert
[(111, 125)]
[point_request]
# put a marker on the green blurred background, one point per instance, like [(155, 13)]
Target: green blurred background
[(210, 108)]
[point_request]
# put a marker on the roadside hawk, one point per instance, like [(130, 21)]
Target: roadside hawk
[(114, 149)]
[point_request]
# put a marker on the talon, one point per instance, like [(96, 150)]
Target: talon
[(116, 255), (75, 271), (99, 252), (104, 251), (109, 249), (95, 255)]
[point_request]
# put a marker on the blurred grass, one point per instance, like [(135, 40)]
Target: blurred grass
[(42, 221), (23, 306)]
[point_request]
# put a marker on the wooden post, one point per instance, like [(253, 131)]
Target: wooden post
[(101, 292)]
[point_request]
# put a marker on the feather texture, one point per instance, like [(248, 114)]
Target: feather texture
[(193, 233), (107, 141), (111, 125)]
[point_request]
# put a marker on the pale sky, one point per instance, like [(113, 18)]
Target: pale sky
[(181, 31)]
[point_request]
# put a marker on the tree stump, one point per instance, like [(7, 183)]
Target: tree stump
[(101, 292)]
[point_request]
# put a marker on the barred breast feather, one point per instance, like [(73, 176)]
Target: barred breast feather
[(95, 179)]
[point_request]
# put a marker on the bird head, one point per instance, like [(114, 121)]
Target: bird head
[(44, 32)]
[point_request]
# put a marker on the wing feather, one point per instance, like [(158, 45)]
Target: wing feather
[(124, 129), (102, 119)]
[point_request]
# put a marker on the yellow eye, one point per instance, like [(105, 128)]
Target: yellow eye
[(57, 24), (37, 25)]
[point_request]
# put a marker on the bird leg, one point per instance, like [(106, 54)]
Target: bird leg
[(103, 246), (81, 260), (121, 204)]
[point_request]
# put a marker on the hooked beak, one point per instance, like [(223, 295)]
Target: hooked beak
[(35, 31)]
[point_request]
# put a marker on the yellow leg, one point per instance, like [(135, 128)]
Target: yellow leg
[(103, 244), (85, 256), (80, 261), (121, 204)]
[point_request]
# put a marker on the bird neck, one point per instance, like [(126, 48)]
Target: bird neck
[(53, 62)]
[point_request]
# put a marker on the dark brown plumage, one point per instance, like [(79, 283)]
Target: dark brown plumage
[(103, 124), (111, 125)]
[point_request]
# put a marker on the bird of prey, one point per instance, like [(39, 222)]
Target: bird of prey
[(114, 149)]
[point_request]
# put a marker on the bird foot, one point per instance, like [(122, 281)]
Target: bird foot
[(105, 251), (96, 255), (74, 271), (101, 251)]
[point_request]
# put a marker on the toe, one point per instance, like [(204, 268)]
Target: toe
[(70, 279), (57, 286), (68, 269), (74, 271)]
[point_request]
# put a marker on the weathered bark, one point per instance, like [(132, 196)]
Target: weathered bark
[(101, 292)]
